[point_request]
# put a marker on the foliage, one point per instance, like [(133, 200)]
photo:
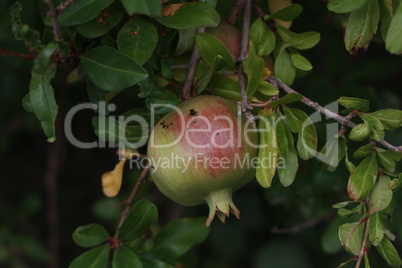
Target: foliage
[(130, 52)]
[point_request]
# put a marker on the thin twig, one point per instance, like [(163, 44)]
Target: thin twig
[(341, 119), (56, 25), (366, 235), (234, 13), (179, 66), (63, 6), (245, 106), (308, 224), (192, 66), (129, 201), (30, 56)]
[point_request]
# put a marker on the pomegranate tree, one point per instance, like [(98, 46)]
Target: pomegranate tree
[(201, 152)]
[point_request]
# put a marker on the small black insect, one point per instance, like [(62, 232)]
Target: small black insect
[(193, 112)]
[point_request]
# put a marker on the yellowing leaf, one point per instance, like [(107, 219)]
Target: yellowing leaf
[(111, 181), (266, 74), (171, 9)]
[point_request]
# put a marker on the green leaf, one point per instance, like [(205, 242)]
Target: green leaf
[(351, 236), (82, 11), (351, 103), (362, 179), (301, 62), (137, 39), (103, 23), (301, 123), (90, 235), (210, 47), (95, 258), (111, 70), (186, 41), (393, 40), (178, 237), (395, 184), (288, 13), (22, 31), (41, 95), (138, 220), (155, 264), (285, 34), (333, 152), (286, 150), (147, 85), (124, 257), (377, 133), (385, 17), (362, 26), (386, 161), (381, 196), (128, 135), (96, 95), (341, 204), (389, 253), (349, 165), (284, 68), (192, 16), (345, 6), (363, 151), (268, 151), (268, 89), (225, 87), (377, 229), (390, 118), (262, 37), (289, 98), (366, 260), (361, 131), (159, 99), (219, 63), (304, 40), (254, 68), (146, 7)]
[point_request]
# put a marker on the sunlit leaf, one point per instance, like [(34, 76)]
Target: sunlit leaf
[(111, 181)]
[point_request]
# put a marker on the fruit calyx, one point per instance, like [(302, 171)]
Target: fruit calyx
[(220, 204)]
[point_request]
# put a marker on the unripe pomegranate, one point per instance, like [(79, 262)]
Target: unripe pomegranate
[(229, 36), (201, 152)]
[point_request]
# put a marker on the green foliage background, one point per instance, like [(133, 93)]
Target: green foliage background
[(373, 74)]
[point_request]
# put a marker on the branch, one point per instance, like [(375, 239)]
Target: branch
[(63, 6), (192, 66), (245, 106), (30, 56), (297, 228), (234, 13), (53, 14), (366, 235), (129, 201), (341, 119)]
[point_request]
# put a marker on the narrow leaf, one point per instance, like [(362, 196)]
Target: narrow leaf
[(287, 155), (362, 26), (362, 179), (268, 151), (377, 229), (284, 68), (381, 196), (301, 62), (393, 41), (389, 253), (304, 40)]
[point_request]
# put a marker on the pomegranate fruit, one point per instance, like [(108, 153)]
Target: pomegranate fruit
[(201, 152), (229, 36)]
